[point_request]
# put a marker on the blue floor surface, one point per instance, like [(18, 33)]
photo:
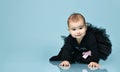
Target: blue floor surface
[(29, 62)]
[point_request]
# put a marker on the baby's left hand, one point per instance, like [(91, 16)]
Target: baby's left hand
[(93, 64)]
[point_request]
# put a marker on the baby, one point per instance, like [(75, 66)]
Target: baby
[(80, 45)]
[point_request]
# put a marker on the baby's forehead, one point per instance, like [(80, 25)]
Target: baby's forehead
[(76, 24), (80, 22), (79, 19)]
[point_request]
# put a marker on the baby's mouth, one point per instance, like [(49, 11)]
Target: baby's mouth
[(78, 35)]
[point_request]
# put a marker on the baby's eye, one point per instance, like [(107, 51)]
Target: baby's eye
[(80, 28), (73, 29)]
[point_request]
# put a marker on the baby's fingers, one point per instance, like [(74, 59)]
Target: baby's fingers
[(93, 64), (64, 63)]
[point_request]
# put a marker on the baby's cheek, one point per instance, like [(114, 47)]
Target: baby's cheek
[(73, 36)]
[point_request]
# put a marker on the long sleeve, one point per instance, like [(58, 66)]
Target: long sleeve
[(67, 50)]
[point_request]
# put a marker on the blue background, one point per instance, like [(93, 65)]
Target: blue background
[(30, 31)]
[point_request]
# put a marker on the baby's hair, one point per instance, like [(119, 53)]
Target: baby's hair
[(75, 17)]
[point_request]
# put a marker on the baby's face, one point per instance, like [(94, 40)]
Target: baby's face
[(77, 29)]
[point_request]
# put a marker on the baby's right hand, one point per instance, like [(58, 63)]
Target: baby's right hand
[(65, 63)]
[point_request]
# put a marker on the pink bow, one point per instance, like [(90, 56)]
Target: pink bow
[(86, 54)]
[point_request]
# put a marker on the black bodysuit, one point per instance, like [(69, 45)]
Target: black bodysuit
[(72, 51)]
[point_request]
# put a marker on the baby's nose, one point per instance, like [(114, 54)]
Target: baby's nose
[(78, 32)]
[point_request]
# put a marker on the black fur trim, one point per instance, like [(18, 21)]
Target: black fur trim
[(103, 41)]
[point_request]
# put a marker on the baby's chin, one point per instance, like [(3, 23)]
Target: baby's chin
[(78, 36)]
